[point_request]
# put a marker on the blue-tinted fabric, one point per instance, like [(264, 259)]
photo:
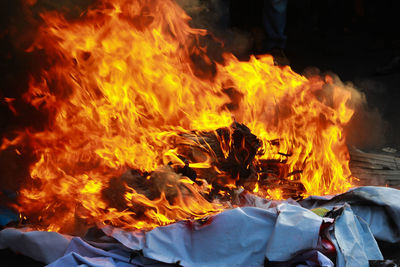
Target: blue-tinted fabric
[(378, 206), (355, 245), (281, 232)]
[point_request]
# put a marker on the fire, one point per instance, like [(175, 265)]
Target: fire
[(129, 78)]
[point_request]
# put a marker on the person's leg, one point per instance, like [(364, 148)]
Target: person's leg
[(274, 22)]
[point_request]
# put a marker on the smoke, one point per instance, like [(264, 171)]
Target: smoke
[(215, 17), (212, 15), (380, 112), (367, 128)]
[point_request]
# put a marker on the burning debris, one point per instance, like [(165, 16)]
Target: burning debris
[(126, 89), (149, 141), (229, 156), (144, 128)]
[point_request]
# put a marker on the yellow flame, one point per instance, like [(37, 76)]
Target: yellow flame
[(124, 84)]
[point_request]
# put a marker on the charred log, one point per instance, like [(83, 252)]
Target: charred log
[(230, 154), (224, 159)]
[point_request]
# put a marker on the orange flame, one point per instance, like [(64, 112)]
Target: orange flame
[(123, 84)]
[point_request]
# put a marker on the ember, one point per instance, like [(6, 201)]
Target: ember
[(140, 135)]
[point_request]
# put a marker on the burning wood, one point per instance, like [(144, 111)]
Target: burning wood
[(227, 155), (375, 168), (230, 154), (224, 159)]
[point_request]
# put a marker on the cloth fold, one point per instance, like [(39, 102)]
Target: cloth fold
[(282, 232)]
